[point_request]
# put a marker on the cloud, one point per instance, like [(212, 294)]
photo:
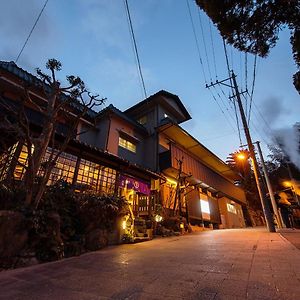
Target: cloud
[(272, 109), (105, 23), (118, 80), (17, 19)]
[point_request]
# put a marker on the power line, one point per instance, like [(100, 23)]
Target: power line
[(252, 88), (224, 103), (222, 110), (246, 82), (240, 65), (196, 40), (33, 27), (231, 84), (237, 123), (213, 48), (217, 137), (204, 43), (135, 59), (227, 61), (135, 47), (258, 133), (246, 71)]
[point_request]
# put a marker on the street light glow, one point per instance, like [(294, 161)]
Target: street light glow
[(241, 156)]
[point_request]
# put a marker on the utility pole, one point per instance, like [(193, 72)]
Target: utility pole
[(264, 203), (271, 193)]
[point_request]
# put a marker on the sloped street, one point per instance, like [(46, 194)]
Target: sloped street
[(220, 264)]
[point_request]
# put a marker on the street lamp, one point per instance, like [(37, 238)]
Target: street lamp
[(241, 156)]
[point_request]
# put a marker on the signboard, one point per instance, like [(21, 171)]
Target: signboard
[(134, 184)]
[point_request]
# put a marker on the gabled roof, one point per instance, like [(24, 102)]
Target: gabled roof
[(34, 81), (154, 97), (112, 109)]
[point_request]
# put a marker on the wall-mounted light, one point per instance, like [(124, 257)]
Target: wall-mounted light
[(124, 225), (158, 218)]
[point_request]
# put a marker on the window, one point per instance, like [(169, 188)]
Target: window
[(204, 206), (22, 163), (127, 144), (165, 115), (231, 208), (64, 168), (5, 161), (205, 209), (95, 177), (107, 181), (142, 120)]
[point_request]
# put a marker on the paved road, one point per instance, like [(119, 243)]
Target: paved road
[(221, 264), (292, 235)]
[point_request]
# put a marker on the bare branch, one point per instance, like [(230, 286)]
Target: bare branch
[(29, 99)]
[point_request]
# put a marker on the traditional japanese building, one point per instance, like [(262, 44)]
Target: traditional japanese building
[(198, 183), (141, 153)]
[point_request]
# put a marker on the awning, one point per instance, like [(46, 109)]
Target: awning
[(181, 137)]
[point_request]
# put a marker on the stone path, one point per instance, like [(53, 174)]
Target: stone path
[(220, 264), (292, 235)]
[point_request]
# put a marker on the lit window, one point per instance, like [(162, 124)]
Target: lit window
[(5, 161), (142, 120), (204, 206), (127, 145), (22, 164), (165, 115), (64, 168), (231, 208), (205, 210), (95, 177)]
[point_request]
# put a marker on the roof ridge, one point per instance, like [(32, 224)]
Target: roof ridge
[(11, 67)]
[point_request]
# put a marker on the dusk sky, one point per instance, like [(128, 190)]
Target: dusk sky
[(91, 38)]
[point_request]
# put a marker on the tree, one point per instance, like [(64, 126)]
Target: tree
[(280, 167), (239, 162), (69, 103), (253, 25)]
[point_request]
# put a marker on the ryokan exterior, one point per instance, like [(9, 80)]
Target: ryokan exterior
[(141, 153)]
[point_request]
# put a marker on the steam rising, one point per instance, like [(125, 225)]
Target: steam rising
[(289, 141)]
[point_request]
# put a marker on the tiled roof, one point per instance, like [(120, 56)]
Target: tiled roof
[(119, 113), (29, 78), (165, 94), (116, 158)]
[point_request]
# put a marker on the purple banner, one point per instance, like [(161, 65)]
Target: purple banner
[(134, 184)]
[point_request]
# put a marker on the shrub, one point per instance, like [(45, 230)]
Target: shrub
[(11, 197), (100, 211)]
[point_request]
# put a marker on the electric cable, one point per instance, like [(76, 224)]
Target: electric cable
[(217, 137), (231, 84), (222, 110), (237, 122), (204, 43), (252, 88), (224, 103), (133, 51), (135, 47), (196, 40), (213, 47), (31, 31), (240, 65)]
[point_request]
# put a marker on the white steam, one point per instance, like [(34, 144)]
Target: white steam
[(289, 140)]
